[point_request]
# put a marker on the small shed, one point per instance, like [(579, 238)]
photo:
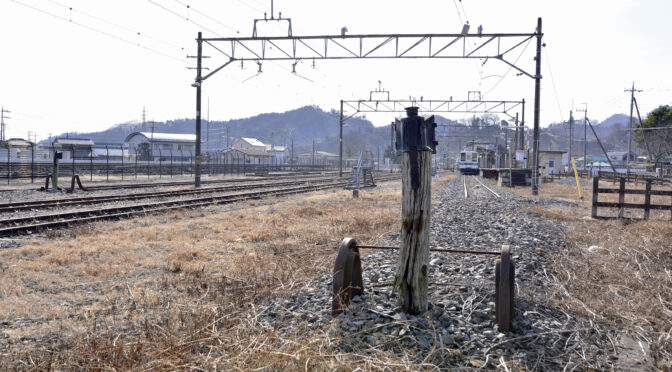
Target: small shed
[(552, 161), (75, 148)]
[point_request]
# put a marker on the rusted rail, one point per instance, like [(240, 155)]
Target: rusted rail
[(34, 224), (432, 250)]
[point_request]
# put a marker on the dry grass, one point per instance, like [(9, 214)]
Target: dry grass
[(618, 273), (181, 290)]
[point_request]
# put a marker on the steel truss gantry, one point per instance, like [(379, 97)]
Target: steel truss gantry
[(426, 107), (496, 46)]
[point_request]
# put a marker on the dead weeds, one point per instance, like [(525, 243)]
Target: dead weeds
[(179, 291), (618, 273)]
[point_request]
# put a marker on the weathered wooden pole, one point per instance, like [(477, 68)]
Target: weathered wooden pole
[(415, 141)]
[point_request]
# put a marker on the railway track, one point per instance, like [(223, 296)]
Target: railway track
[(189, 183), (89, 200), (466, 188), (34, 224)]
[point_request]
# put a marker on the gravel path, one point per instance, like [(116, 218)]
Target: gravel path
[(459, 330)]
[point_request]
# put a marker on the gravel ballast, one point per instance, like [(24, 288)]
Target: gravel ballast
[(459, 329)]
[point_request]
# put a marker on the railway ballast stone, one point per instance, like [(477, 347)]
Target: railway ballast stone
[(459, 329)]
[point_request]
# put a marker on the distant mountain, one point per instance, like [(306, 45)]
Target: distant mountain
[(309, 124)]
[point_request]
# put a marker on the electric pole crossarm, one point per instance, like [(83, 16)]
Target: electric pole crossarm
[(433, 106)]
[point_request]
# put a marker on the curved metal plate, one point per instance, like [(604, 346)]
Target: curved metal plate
[(504, 290), (342, 275)]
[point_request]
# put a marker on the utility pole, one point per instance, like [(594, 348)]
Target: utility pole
[(313, 151), (585, 133), (632, 103), (571, 128), (207, 130), (537, 110), (198, 83), (3, 135), (340, 144), (144, 125)]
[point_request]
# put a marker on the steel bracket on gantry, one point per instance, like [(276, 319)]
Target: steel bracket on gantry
[(362, 174), (348, 282)]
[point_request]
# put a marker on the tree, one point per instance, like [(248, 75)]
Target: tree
[(655, 133)]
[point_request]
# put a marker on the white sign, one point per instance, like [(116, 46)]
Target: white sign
[(520, 155)]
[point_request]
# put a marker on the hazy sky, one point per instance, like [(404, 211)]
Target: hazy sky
[(85, 70)]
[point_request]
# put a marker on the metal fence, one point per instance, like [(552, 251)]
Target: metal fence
[(31, 164)]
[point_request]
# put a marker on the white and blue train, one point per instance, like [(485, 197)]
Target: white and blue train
[(468, 163)]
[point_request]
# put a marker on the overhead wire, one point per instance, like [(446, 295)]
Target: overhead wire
[(509, 70), (90, 28), (185, 18), (116, 25), (555, 91), (207, 16)]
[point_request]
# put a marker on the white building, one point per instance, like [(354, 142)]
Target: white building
[(245, 143), (162, 145)]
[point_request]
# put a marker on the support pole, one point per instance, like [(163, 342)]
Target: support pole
[(537, 102), (340, 144), (197, 177), (411, 279)]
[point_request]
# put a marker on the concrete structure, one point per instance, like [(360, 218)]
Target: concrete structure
[(552, 162), (161, 145), (248, 144)]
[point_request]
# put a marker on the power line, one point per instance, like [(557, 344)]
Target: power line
[(99, 31), (116, 25), (555, 91), (182, 17), (207, 16)]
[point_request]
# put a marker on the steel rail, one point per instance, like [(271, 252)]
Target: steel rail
[(466, 190), (432, 250), (36, 223), (487, 188), (52, 203)]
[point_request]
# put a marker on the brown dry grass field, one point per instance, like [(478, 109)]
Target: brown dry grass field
[(180, 290), (619, 272)]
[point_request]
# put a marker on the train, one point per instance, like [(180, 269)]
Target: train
[(468, 162)]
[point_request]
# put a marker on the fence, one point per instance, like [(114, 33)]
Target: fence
[(131, 164), (622, 205), (636, 177)]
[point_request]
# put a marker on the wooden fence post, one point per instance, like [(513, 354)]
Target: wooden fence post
[(621, 197), (596, 185), (416, 144), (647, 200)]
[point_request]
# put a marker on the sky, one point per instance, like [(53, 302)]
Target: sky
[(85, 65)]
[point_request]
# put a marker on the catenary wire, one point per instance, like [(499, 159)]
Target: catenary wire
[(99, 31)]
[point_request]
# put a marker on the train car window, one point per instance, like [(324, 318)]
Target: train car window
[(462, 156), (474, 157)]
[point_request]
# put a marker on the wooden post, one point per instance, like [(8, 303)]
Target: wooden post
[(412, 269), (596, 186), (647, 200), (417, 145), (621, 197)]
